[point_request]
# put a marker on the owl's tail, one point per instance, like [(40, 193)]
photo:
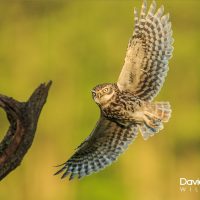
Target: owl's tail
[(154, 116)]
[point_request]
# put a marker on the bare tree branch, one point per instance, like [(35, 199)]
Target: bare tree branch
[(23, 118)]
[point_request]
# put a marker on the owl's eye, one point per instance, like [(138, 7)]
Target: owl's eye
[(105, 90), (94, 94)]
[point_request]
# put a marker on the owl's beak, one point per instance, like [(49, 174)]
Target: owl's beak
[(99, 95)]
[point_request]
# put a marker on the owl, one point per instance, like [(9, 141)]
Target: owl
[(126, 107)]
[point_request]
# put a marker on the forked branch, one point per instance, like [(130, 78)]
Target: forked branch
[(23, 118)]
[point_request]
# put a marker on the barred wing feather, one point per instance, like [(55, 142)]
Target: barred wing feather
[(100, 149), (148, 53)]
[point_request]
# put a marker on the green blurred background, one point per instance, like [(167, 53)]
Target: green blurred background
[(79, 44)]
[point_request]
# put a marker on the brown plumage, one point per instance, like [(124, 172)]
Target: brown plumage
[(126, 106)]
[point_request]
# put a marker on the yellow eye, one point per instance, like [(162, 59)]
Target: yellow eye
[(93, 94), (105, 90)]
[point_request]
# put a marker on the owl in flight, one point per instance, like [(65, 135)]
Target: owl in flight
[(126, 107)]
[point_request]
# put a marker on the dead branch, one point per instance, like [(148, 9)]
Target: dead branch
[(23, 118)]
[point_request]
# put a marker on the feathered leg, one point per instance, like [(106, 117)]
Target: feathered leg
[(154, 116)]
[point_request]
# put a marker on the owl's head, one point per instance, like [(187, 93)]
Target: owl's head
[(102, 94)]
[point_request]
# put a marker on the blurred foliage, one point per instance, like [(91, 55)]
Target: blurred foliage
[(79, 44)]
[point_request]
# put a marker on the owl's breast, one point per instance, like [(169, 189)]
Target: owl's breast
[(121, 108), (114, 112)]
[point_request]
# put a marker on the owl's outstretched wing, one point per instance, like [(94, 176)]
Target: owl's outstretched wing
[(148, 53), (107, 141)]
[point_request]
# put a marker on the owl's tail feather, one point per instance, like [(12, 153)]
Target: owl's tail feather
[(154, 116)]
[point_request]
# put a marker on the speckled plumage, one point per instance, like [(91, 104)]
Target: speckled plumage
[(126, 106)]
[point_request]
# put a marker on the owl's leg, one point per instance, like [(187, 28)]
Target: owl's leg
[(154, 116), (151, 120)]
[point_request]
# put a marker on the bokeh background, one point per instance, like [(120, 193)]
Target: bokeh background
[(79, 44)]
